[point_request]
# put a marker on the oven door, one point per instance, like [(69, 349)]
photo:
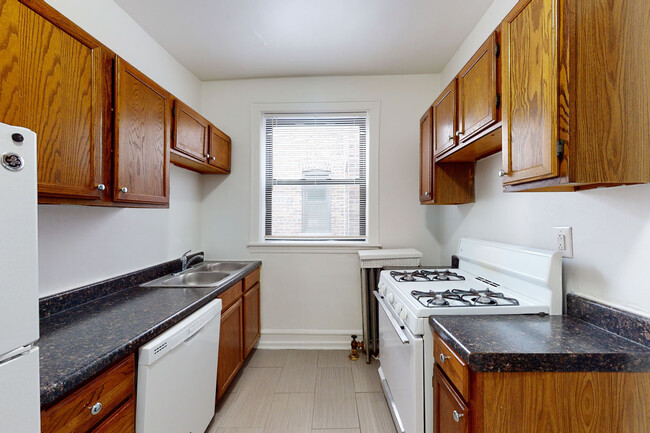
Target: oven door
[(401, 358)]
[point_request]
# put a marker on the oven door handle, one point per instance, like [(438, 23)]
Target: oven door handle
[(399, 329)]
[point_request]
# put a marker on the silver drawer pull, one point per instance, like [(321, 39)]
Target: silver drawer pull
[(97, 407), (443, 357), (457, 416)]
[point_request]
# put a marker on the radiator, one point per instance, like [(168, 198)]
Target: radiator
[(372, 262)]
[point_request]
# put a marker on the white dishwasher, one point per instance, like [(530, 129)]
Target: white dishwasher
[(177, 375)]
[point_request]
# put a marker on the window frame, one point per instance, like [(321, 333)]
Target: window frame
[(258, 155)]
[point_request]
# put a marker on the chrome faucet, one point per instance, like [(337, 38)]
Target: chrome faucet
[(186, 263)]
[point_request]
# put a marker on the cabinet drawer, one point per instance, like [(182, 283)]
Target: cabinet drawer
[(231, 295), (453, 366), (73, 413), (251, 279), (122, 421)]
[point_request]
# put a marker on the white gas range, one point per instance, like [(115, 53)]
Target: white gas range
[(491, 278)]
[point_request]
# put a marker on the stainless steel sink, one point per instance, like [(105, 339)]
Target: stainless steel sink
[(206, 274), (219, 266)]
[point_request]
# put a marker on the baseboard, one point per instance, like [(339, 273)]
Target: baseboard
[(307, 339)]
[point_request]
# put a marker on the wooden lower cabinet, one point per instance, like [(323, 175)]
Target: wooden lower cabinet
[(251, 318), (540, 402), (230, 346), (450, 413), (111, 394), (122, 421), (240, 328)]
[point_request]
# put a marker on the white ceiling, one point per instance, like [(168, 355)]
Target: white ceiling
[(227, 39)]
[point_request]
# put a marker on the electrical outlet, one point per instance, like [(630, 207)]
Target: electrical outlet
[(564, 241)]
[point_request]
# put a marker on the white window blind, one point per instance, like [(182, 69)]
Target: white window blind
[(315, 176)]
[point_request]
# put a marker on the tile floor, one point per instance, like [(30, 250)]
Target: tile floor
[(304, 391)]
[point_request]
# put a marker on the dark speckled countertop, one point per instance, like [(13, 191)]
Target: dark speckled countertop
[(79, 342), (533, 343)]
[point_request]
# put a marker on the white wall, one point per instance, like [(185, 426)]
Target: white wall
[(318, 294), (79, 244), (611, 227)]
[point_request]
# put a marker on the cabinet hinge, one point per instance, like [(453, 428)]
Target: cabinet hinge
[(497, 100), (497, 50), (559, 148)]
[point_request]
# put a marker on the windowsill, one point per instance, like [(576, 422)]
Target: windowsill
[(306, 247)]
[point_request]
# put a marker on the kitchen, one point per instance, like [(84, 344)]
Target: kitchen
[(211, 213)]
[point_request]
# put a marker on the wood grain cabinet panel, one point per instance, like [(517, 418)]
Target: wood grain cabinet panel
[(530, 97), (122, 421), (576, 82), (230, 346), (251, 318), (142, 137), (445, 120), (73, 413), (190, 132), (53, 79), (220, 150), (426, 156), (478, 92), (450, 411)]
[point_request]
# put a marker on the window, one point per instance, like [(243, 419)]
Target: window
[(315, 176)]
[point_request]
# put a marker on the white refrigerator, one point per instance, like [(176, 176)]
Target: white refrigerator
[(19, 376)]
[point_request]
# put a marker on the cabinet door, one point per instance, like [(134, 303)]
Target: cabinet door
[(52, 78), (530, 91), (445, 121), (426, 156), (122, 421), (219, 149), (230, 347), (142, 136), (190, 132), (251, 318), (450, 414), (477, 92)]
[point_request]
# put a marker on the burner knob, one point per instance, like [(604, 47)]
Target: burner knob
[(382, 289), (390, 297), (403, 314), (398, 307)]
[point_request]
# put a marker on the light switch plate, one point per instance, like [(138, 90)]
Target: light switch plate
[(564, 241)]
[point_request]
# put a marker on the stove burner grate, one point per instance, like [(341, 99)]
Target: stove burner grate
[(425, 275), (463, 298)]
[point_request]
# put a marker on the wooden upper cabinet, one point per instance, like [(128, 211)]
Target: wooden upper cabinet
[(445, 121), (530, 95), (142, 136), (426, 156), (190, 131), (576, 80), (54, 79), (478, 92), (442, 183), (219, 150)]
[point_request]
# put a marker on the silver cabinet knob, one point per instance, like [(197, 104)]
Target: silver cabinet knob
[(124, 189), (101, 187), (502, 173), (207, 155), (213, 158), (457, 416), (450, 137), (426, 194), (457, 133), (443, 357), (96, 408)]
